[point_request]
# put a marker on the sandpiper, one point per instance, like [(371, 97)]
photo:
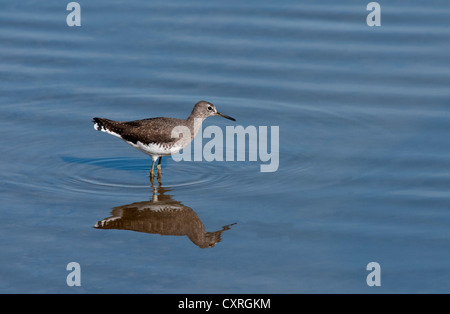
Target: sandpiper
[(155, 136)]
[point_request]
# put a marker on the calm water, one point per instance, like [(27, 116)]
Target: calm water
[(364, 174)]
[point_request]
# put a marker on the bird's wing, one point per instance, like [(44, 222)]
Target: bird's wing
[(154, 130)]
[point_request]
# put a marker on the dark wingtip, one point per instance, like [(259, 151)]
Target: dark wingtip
[(98, 125)]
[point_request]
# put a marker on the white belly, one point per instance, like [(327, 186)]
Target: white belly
[(156, 149)]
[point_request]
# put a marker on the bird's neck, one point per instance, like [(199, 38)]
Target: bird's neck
[(195, 123)]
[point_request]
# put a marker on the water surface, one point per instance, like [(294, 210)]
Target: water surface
[(364, 123)]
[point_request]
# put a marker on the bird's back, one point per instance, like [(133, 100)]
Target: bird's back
[(146, 131)]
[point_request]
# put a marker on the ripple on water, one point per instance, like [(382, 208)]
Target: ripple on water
[(128, 175)]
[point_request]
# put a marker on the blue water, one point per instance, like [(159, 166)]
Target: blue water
[(364, 171)]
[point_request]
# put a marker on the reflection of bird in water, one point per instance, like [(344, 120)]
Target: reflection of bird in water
[(162, 215)]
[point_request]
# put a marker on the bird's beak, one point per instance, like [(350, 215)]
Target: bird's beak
[(225, 116)]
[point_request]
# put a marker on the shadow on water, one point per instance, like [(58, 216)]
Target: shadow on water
[(162, 215)]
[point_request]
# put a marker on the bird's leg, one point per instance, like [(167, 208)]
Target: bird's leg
[(159, 164), (158, 167), (158, 177), (152, 173)]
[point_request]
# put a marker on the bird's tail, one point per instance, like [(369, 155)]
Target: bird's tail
[(108, 126), (100, 124)]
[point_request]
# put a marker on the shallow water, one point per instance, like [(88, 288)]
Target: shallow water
[(364, 122)]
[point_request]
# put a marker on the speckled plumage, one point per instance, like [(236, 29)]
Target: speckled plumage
[(147, 131)]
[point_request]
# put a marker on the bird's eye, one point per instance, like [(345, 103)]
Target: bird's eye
[(209, 108)]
